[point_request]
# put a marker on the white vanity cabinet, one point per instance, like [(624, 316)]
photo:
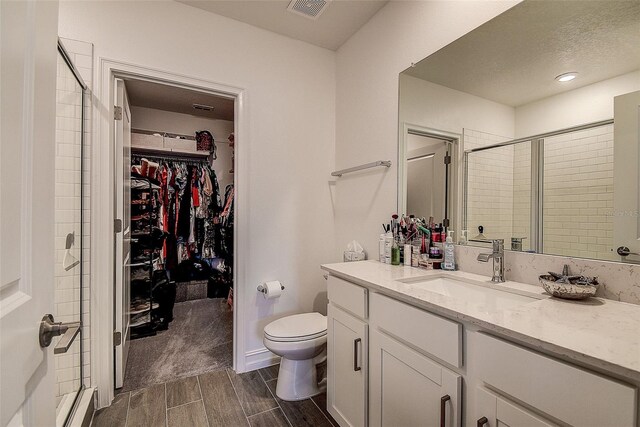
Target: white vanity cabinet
[(391, 363), (406, 387), (493, 411), (409, 389), (552, 388), (347, 353)]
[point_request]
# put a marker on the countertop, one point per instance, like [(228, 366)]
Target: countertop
[(601, 333)]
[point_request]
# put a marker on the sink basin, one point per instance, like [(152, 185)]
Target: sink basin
[(486, 298)]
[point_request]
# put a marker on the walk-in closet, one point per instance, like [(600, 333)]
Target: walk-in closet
[(174, 261)]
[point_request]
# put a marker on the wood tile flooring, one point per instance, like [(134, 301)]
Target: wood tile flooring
[(217, 398)]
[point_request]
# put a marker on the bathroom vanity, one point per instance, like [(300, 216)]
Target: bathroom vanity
[(410, 347)]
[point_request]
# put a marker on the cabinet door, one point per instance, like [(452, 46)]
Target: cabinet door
[(347, 368), (494, 411), (409, 389)]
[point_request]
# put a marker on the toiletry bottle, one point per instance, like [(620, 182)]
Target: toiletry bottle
[(449, 253), (408, 258), (395, 253), (415, 249), (381, 247), (388, 243)]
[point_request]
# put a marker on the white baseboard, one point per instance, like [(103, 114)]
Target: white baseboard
[(260, 358)]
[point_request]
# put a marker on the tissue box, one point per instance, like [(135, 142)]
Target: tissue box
[(353, 256)]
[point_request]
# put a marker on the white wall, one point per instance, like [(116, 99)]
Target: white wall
[(367, 70), (438, 107), (587, 104), (290, 106), (185, 124)]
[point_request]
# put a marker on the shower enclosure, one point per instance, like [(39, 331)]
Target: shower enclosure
[(70, 263), (551, 193)]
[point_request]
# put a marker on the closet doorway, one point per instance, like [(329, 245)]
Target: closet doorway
[(174, 259)]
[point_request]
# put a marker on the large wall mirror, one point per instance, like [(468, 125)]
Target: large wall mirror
[(539, 109)]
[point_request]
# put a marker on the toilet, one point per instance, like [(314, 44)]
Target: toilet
[(301, 341)]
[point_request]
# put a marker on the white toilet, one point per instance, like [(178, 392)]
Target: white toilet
[(301, 341)]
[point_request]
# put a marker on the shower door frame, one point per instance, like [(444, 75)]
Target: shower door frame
[(76, 74), (102, 214), (537, 177)]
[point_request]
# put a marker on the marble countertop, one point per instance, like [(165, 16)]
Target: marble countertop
[(601, 333)]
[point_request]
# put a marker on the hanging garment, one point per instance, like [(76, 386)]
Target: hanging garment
[(184, 214)]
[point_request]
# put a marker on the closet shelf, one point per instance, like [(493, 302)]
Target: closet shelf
[(143, 310)]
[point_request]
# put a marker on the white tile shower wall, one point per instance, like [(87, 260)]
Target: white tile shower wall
[(618, 281), (490, 201), (68, 193), (578, 194)]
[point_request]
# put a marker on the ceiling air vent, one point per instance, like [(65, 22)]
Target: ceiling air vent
[(203, 107), (311, 9)]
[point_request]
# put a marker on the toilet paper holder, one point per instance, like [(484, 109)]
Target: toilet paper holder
[(262, 289)]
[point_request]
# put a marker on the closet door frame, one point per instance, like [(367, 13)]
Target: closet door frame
[(103, 220)]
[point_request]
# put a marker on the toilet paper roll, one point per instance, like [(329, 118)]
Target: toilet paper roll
[(272, 289)]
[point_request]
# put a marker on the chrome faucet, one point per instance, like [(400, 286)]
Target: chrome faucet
[(498, 260)]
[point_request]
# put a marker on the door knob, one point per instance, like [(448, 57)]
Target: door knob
[(49, 328), (625, 251)]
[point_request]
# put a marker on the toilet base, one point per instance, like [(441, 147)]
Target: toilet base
[(298, 380)]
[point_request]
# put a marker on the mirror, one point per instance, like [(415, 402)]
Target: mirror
[(539, 110)]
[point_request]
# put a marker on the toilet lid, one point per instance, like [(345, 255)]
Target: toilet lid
[(297, 327)]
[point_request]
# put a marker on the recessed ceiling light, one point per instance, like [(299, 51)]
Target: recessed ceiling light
[(567, 77)]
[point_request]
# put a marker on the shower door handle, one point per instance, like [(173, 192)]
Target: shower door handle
[(50, 328)]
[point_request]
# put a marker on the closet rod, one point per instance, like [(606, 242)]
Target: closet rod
[(169, 152)]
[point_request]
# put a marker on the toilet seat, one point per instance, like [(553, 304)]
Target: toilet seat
[(299, 327)]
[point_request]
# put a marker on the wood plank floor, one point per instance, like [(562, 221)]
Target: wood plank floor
[(217, 398)]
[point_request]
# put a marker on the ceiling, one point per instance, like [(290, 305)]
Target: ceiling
[(340, 20), (514, 58), (178, 100)]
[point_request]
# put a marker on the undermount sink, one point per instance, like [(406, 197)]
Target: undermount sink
[(489, 299)]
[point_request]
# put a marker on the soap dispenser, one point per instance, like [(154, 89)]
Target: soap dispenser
[(449, 253)]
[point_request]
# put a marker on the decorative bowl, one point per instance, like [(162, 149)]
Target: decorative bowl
[(574, 288)]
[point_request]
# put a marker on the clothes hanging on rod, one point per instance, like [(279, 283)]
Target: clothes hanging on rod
[(191, 212)]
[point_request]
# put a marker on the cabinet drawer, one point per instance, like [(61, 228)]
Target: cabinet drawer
[(563, 391), (350, 297), (428, 332)]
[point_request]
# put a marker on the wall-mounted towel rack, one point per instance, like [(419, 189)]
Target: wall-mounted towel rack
[(385, 163)]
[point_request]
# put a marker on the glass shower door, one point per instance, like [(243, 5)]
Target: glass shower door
[(69, 235)]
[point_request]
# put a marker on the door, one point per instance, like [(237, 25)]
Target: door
[(28, 37), (346, 368), (409, 389), (626, 178), (426, 176), (122, 123), (494, 411)]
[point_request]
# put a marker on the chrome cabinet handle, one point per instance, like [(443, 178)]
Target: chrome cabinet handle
[(482, 421), (356, 366), (625, 251), (49, 329), (443, 409)]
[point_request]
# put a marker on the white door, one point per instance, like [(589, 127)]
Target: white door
[(626, 178), (409, 389), (122, 123), (346, 368), (28, 35), (494, 411)]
